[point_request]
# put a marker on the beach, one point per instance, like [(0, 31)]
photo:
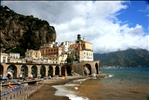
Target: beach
[(94, 89), (47, 91), (123, 84)]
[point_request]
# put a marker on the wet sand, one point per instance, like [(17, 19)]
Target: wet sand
[(94, 90), (47, 92)]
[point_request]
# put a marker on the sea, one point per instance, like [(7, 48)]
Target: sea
[(122, 84)]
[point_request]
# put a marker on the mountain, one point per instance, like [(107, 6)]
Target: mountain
[(19, 32), (126, 58)]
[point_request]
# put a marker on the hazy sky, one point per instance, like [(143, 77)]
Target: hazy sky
[(108, 25)]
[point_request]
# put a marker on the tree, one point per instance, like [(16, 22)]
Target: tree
[(69, 59)]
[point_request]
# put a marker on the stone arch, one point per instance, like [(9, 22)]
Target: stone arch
[(57, 70), (12, 71), (1, 70), (24, 71), (63, 68), (34, 71), (87, 69), (43, 71), (50, 71), (97, 68), (69, 69)]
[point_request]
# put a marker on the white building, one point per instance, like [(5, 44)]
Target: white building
[(14, 55), (4, 57), (85, 55), (65, 46), (63, 58)]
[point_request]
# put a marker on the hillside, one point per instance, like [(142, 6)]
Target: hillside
[(126, 58), (19, 32)]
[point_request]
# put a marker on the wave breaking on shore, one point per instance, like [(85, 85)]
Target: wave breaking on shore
[(70, 90)]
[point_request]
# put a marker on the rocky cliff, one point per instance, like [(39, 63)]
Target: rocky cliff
[(19, 32)]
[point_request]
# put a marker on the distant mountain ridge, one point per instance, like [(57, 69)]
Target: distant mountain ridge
[(126, 58)]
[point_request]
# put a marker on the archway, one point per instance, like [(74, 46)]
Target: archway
[(1, 70), (69, 68), (43, 71), (87, 69), (97, 69), (34, 71), (24, 71), (57, 70), (12, 71), (63, 70), (50, 71)]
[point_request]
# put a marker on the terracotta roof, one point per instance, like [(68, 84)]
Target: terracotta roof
[(73, 45)]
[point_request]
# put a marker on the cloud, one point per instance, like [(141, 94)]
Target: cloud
[(96, 21), (145, 11)]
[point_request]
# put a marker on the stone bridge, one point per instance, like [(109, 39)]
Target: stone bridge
[(44, 70)]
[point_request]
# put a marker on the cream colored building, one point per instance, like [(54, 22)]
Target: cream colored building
[(33, 54), (63, 58), (85, 55), (15, 60)]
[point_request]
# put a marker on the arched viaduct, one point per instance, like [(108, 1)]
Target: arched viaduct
[(45, 70)]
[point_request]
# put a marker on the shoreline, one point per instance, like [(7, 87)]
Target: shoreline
[(44, 89), (47, 91)]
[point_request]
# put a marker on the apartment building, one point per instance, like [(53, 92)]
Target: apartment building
[(52, 51), (33, 54), (14, 55), (81, 50)]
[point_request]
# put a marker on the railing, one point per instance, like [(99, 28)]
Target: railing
[(21, 93)]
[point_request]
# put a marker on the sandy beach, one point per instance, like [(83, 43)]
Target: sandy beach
[(47, 92)]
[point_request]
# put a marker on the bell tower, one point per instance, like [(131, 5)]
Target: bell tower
[(78, 38)]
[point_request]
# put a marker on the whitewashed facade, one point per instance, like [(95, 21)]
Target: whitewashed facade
[(14, 55), (4, 57)]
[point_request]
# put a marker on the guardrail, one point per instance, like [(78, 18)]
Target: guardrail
[(21, 94)]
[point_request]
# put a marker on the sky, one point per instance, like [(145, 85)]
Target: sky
[(109, 25)]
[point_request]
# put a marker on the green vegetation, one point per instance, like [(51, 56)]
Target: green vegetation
[(18, 50), (126, 58), (20, 32), (69, 59)]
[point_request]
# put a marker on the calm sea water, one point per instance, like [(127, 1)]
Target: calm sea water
[(136, 75), (123, 84)]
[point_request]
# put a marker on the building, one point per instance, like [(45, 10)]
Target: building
[(52, 52), (33, 54), (11, 58), (50, 45), (81, 50), (4, 57), (65, 46), (14, 55)]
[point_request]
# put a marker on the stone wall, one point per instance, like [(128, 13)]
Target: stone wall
[(78, 67)]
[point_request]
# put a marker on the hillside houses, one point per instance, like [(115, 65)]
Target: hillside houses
[(54, 53)]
